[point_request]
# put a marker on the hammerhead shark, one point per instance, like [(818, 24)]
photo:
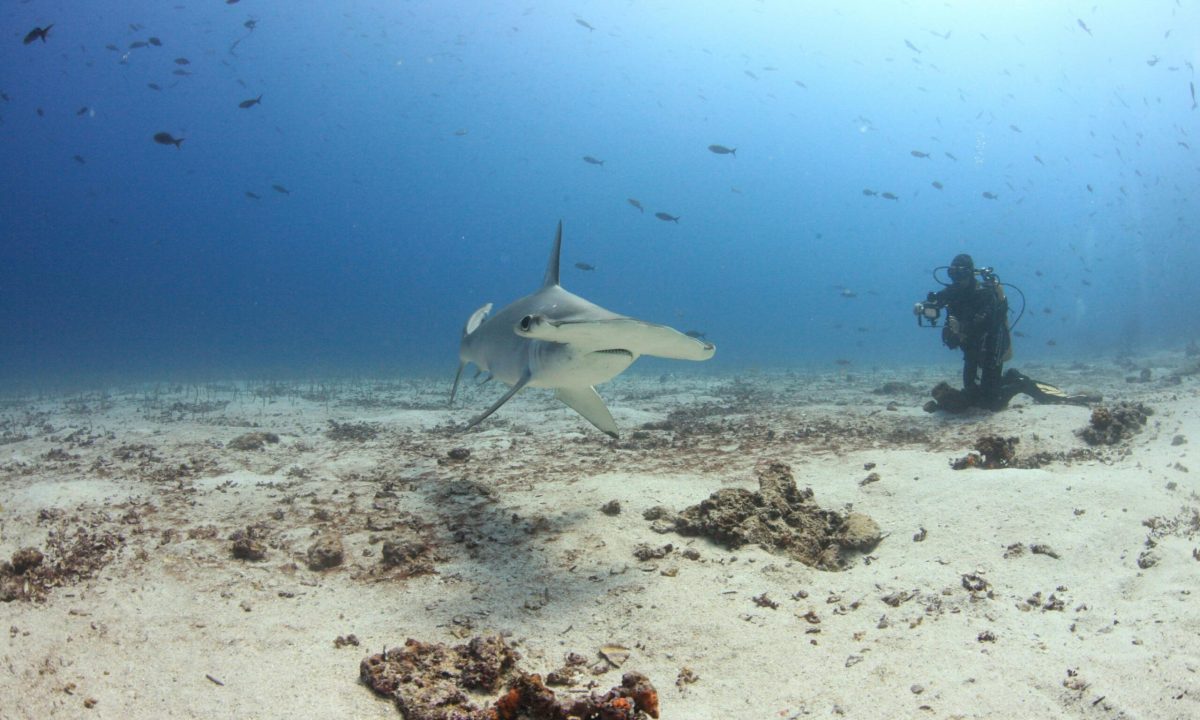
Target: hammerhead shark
[(556, 339)]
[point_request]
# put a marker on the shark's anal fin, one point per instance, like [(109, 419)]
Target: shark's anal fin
[(496, 406), (586, 401)]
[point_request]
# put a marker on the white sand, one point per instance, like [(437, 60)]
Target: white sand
[(557, 575)]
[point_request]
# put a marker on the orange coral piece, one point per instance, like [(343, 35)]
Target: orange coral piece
[(648, 702), (507, 705)]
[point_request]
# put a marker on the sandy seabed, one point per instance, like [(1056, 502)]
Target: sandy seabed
[(236, 550)]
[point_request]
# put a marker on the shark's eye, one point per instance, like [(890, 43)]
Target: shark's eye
[(526, 322)]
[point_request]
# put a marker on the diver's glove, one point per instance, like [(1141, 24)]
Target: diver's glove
[(951, 335)]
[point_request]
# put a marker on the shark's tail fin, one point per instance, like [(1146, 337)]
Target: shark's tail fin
[(476, 319), (454, 388), (472, 325)]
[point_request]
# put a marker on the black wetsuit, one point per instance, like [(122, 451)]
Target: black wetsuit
[(981, 311)]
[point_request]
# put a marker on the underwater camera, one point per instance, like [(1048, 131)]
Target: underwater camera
[(928, 312)]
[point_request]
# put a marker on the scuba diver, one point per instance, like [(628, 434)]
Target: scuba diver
[(977, 322)]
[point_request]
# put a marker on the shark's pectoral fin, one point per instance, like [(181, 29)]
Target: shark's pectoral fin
[(636, 336), (586, 401), (505, 398)]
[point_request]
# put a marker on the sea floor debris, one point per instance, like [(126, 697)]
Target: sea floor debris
[(430, 681), (780, 518)]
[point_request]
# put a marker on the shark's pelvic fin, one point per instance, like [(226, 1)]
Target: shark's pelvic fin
[(552, 266), (636, 336), (506, 397), (586, 401)]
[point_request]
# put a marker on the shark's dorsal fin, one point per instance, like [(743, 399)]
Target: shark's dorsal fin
[(552, 266)]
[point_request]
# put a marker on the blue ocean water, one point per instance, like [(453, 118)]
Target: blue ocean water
[(424, 151)]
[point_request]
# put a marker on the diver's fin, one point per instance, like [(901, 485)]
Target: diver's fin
[(586, 401), (1046, 393), (496, 406)]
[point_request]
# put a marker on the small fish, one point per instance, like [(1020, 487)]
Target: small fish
[(1182, 144), (250, 25), (231, 2), (636, 203), (1018, 333), (155, 42), (1039, 273), (722, 150), (584, 23), (888, 196), (164, 138), (847, 293), (1039, 160), (696, 334), (79, 159), (154, 86), (869, 192), (592, 161), (112, 47), (937, 185), (667, 218), (461, 132), (800, 84), (1152, 61), (250, 103), (586, 267), (750, 75), (1048, 311), (182, 61), (1083, 26), (281, 189), (253, 195), (82, 111), (180, 72), (951, 156), (918, 154), (1192, 87), (1089, 188), (138, 44), (912, 47), (842, 361), (1051, 343), (990, 195), (41, 112), (38, 33)]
